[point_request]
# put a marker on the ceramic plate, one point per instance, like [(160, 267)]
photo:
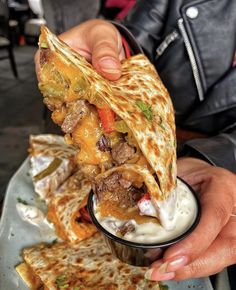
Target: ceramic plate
[(15, 234)]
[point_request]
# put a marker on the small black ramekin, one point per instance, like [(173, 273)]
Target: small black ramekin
[(138, 254)]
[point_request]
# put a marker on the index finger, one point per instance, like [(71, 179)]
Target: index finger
[(217, 201)]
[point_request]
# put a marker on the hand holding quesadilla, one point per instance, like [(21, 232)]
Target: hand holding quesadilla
[(128, 122)]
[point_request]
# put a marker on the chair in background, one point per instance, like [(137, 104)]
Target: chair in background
[(32, 26), (61, 15), (5, 39)]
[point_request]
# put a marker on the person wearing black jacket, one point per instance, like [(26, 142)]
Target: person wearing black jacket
[(192, 45)]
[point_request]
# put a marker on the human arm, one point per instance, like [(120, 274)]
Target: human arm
[(109, 43)]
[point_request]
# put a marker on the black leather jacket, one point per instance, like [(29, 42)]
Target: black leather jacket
[(192, 43)]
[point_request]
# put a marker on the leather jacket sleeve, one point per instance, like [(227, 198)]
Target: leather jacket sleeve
[(146, 21), (144, 28), (219, 150)]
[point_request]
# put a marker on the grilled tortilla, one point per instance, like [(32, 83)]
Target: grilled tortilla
[(67, 210), (86, 265), (52, 161), (113, 123)]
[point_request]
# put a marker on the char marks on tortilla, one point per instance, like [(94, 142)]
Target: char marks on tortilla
[(138, 97)]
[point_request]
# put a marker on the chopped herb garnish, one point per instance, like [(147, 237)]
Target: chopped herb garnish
[(20, 200), (146, 109), (62, 282), (144, 282), (160, 123), (163, 287), (174, 142), (76, 288), (44, 45), (170, 166), (54, 241), (61, 278), (64, 286)]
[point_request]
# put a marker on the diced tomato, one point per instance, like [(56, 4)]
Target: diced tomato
[(85, 215), (146, 196), (107, 117)]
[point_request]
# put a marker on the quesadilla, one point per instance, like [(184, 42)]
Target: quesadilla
[(113, 123), (52, 162), (86, 265), (67, 209)]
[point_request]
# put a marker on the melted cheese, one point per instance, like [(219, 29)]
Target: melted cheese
[(69, 227), (52, 217), (108, 208), (135, 178), (58, 115), (86, 135), (29, 277)]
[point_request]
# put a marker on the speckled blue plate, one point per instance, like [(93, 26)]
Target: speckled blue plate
[(15, 234)]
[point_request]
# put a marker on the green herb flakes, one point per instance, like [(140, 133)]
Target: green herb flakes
[(61, 278), (54, 241), (144, 284), (160, 123), (76, 288), (163, 287), (62, 282), (146, 109), (65, 286), (20, 200), (174, 142)]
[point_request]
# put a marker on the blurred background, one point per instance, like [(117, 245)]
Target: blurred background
[(21, 108)]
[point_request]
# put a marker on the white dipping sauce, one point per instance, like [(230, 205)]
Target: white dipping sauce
[(185, 211), (36, 217)]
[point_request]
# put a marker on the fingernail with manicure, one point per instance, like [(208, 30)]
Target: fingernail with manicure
[(155, 275), (109, 65), (166, 270), (176, 263)]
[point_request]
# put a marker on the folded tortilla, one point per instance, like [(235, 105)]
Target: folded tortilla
[(66, 209), (86, 265), (52, 162), (142, 132)]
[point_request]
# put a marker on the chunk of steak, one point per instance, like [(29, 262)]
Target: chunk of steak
[(44, 55), (75, 113), (127, 227), (122, 152), (104, 144), (109, 183), (136, 193), (117, 189)]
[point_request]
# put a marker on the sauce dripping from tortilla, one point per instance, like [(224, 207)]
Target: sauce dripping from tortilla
[(108, 208)]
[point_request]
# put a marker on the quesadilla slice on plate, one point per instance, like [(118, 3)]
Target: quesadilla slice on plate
[(113, 123), (52, 162), (67, 210), (86, 265)]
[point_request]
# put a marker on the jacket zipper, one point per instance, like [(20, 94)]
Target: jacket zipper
[(192, 59)]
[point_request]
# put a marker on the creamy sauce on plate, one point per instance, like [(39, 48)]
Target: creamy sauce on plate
[(33, 215), (184, 215)]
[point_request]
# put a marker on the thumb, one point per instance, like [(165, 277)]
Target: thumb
[(107, 50)]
